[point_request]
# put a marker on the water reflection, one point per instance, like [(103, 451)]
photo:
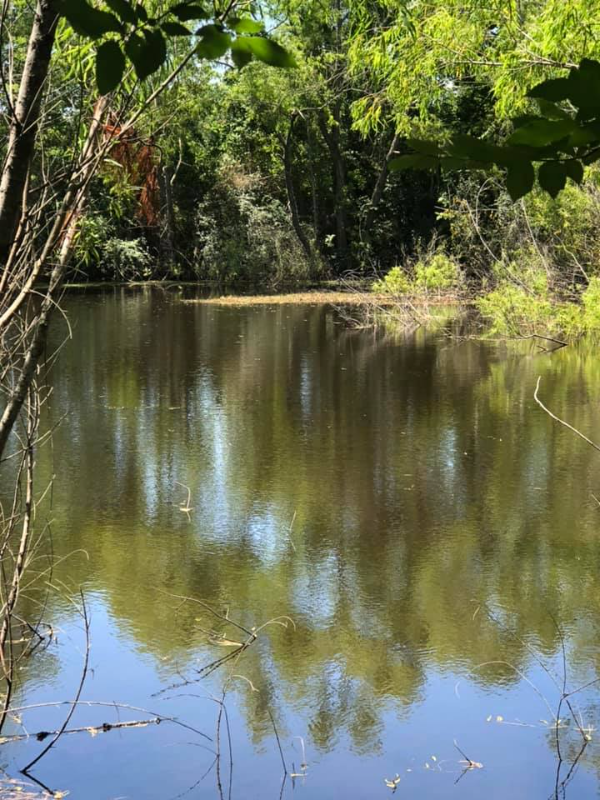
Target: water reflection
[(376, 491)]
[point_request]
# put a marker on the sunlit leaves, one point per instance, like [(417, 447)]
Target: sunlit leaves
[(244, 25), (559, 140), (214, 42), (241, 53), (141, 38), (110, 66), (270, 52)]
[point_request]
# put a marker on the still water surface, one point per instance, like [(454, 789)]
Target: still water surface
[(403, 501)]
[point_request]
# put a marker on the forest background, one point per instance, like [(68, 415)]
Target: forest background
[(258, 177), (280, 176)]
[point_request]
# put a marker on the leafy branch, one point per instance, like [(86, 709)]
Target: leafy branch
[(553, 145), (127, 33)]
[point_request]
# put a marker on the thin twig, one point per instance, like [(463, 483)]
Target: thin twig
[(558, 419)]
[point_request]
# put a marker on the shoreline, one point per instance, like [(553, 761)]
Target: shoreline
[(351, 298)]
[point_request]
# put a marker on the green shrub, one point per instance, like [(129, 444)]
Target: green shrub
[(568, 225), (243, 237), (437, 273), (591, 306), (126, 259), (533, 308), (394, 284), (94, 230), (514, 311)]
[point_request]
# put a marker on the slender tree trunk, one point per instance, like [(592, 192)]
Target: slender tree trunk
[(313, 185), (24, 123), (167, 217), (291, 193), (332, 137), (378, 191)]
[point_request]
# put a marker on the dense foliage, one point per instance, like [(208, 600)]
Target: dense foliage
[(247, 174)]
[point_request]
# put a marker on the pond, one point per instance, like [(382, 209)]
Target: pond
[(408, 535)]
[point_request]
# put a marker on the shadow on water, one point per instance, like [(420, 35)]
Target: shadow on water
[(382, 493)]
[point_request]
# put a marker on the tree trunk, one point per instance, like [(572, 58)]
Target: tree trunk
[(378, 191), (291, 193), (24, 123), (167, 218), (332, 137), (313, 185)]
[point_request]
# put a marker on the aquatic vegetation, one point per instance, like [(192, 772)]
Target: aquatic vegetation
[(532, 307)]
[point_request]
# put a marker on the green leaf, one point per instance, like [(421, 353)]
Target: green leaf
[(583, 88), (88, 21), (146, 54), (240, 53), (552, 176), (270, 52), (413, 161), (585, 135), (554, 89), (452, 163), (244, 25), (541, 132), (110, 66), (123, 9), (591, 156), (574, 171), (469, 147), (214, 42), (188, 11), (590, 68), (520, 179), (175, 29), (525, 119), (430, 148), (133, 49), (551, 110)]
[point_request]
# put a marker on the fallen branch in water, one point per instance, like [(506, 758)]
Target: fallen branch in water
[(107, 704), (558, 342), (557, 419), (105, 727)]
